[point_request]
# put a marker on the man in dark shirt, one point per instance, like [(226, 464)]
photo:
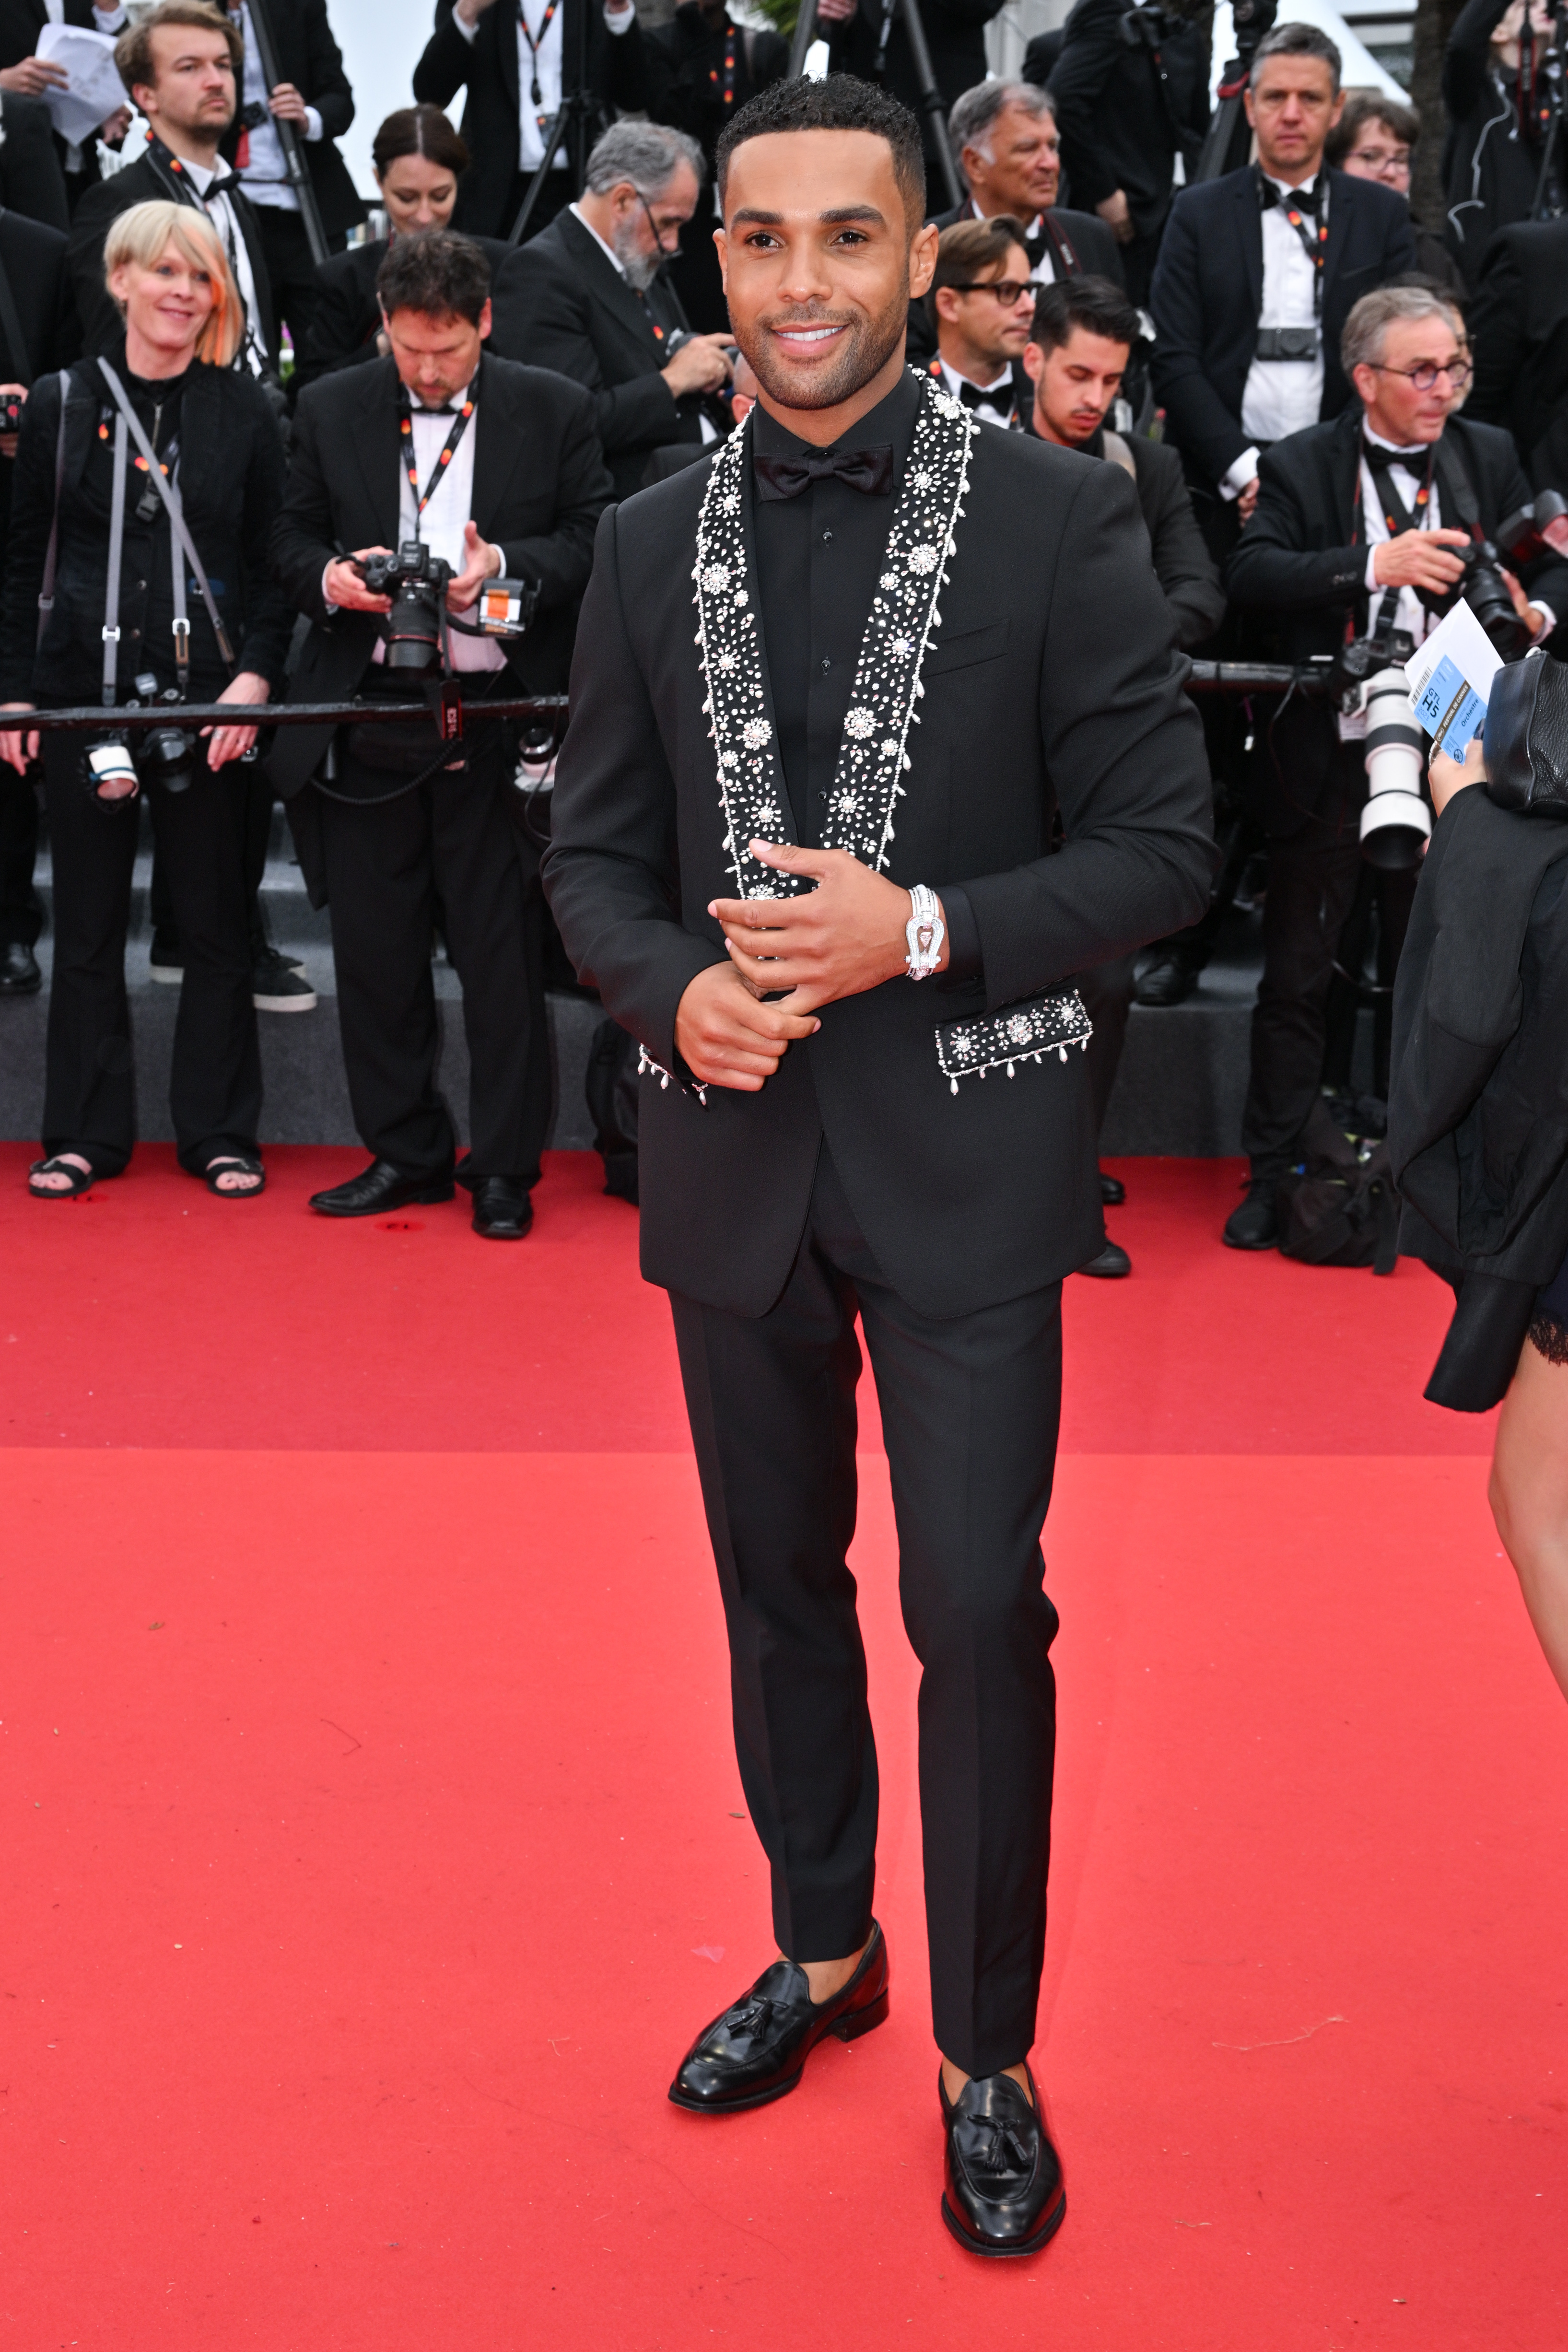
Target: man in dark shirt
[(816, 1139)]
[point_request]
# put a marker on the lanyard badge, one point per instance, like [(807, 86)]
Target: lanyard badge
[(410, 465)]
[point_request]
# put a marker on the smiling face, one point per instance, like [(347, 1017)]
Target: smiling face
[(166, 303), (821, 261)]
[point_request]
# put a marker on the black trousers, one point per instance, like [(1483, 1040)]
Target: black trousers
[(1313, 877), (214, 1085), (970, 1410), (454, 838), (21, 919), (290, 271), (259, 801), (1107, 993)]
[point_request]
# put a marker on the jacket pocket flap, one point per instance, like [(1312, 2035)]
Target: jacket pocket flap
[(970, 646)]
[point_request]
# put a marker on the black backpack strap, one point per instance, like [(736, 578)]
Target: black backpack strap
[(52, 554), (10, 320)]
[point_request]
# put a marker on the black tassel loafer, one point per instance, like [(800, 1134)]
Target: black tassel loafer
[(757, 2051), (1004, 2193)]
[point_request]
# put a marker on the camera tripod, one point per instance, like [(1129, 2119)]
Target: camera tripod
[(574, 119), (930, 99), (1230, 136)]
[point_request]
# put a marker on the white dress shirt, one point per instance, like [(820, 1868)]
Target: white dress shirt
[(995, 406), (543, 63), (1281, 396), (264, 177), (210, 185), (113, 24), (1043, 272), (441, 525)]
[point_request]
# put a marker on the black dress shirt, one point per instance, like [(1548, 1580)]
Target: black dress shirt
[(818, 556)]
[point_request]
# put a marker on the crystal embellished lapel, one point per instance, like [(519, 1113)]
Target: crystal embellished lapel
[(872, 757)]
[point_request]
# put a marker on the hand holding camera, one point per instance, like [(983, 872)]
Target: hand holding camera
[(1421, 559), (701, 363), (346, 584)]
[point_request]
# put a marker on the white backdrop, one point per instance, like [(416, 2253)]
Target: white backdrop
[(381, 41)]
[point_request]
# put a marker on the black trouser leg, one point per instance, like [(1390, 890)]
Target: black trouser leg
[(969, 1409), (290, 270), (214, 1085), (1311, 887), (89, 1083), (1107, 993), (493, 942), (378, 869), (21, 916)]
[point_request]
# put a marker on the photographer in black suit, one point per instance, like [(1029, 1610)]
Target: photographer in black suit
[(516, 60), (1355, 530), (815, 1137), (313, 93), (419, 161), (588, 297), (31, 180), (497, 468), (23, 74), (1132, 92)]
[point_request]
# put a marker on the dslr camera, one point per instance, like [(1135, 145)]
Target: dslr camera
[(418, 582), (164, 755), (1369, 675), (1483, 588)]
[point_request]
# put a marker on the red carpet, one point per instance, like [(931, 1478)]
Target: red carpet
[(370, 1819)]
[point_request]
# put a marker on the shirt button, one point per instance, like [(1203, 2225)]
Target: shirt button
[(827, 666), (827, 539)]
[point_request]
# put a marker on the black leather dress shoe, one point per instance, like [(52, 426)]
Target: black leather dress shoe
[(19, 973), (380, 1187), (503, 1210), (1004, 2191), (757, 2051), (1112, 1191), (1164, 979), (1111, 1264), (1255, 1224)]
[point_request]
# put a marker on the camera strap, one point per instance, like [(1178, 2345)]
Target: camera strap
[(1314, 239), (52, 552), (1397, 516), (116, 557), (180, 537)]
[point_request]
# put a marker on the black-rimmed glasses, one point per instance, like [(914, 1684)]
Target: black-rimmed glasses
[(1007, 290), (1459, 372)]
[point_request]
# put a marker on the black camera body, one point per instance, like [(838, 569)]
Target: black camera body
[(1483, 588), (1359, 662), (152, 755), (417, 583)]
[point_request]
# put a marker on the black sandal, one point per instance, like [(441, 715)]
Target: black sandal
[(233, 1163), (82, 1179)]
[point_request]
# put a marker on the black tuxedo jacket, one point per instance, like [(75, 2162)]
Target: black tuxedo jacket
[(1208, 290), (1121, 127), (143, 181), (1183, 564), (310, 58), (488, 66), (561, 302), (1518, 327), (347, 317), (1082, 247), (21, 22), (540, 486), (33, 258), (1050, 683), (31, 180), (1301, 560)]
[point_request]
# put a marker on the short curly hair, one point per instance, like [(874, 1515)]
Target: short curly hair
[(840, 103)]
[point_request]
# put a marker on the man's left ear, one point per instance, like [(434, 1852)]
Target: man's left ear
[(923, 259), (486, 321)]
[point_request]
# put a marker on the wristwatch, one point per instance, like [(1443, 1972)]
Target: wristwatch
[(923, 934)]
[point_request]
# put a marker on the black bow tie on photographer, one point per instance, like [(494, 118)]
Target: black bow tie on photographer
[(1416, 461), (999, 397), (870, 470), (1304, 199)]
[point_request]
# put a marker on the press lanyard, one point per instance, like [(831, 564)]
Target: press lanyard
[(535, 93), (1314, 243), (728, 93), (410, 463), (1397, 518)]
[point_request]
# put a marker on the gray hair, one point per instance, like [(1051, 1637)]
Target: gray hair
[(648, 154), (1299, 40), (974, 113), (1366, 329)]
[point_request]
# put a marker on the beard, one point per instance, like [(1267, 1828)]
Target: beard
[(867, 347), (641, 269)]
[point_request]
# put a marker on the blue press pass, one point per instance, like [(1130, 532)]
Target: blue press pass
[(1449, 706)]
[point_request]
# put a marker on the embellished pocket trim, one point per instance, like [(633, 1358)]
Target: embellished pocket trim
[(1025, 1032)]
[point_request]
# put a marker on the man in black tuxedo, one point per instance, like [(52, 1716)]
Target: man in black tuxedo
[(1127, 110), (955, 36), (1519, 330), (182, 65), (311, 93), (587, 298), (981, 305), (23, 74), (702, 67), (498, 469), (516, 61), (1257, 274), (1356, 527), (31, 180), (815, 1137), (39, 333)]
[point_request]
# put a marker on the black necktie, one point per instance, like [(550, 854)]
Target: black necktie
[(870, 470)]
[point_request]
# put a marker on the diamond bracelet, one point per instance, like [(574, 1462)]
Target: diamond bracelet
[(923, 934)]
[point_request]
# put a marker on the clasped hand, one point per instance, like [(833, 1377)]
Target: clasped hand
[(843, 936)]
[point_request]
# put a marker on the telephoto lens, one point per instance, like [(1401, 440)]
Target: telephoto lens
[(1397, 822)]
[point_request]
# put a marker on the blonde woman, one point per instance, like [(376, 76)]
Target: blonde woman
[(216, 442)]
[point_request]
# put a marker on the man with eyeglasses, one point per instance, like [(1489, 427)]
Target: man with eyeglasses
[(1357, 531), (588, 297), (982, 306), (1374, 140)]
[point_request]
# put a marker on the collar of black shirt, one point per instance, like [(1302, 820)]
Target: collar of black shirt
[(893, 419)]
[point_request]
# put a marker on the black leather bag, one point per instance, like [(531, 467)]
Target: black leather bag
[(1339, 1209), (1526, 737)]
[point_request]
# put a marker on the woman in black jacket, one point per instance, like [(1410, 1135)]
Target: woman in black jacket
[(216, 439), (418, 159)]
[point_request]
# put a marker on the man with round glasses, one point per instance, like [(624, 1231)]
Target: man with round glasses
[(981, 307), (1359, 531)]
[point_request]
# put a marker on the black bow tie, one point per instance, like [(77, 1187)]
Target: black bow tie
[(999, 397), (870, 470), (1417, 460), (1305, 200)]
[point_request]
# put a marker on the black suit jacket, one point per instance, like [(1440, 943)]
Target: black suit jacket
[(33, 258), (1301, 560), (540, 486), (488, 68), (1208, 290), (1518, 327), (1050, 683), (310, 58), (1183, 564), (686, 68), (560, 303), (1121, 126), (1082, 247), (347, 317), (138, 183), (31, 180), (21, 22)]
